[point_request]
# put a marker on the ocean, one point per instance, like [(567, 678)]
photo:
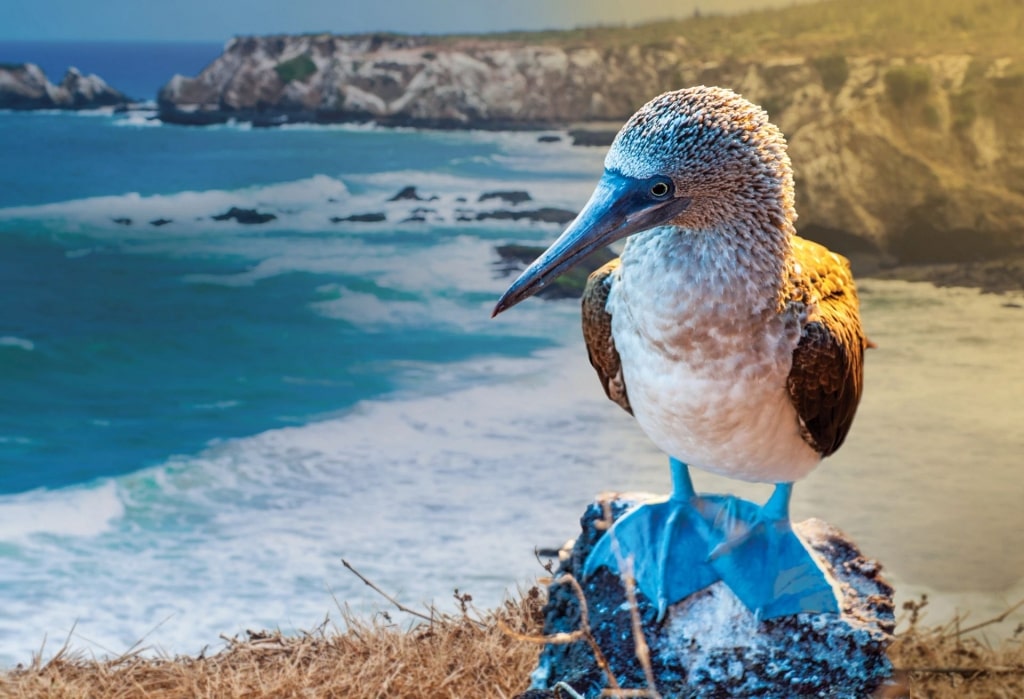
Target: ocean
[(199, 419)]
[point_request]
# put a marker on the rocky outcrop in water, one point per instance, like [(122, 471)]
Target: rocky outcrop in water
[(903, 160), (24, 86)]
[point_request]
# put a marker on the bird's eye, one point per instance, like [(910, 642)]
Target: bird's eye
[(660, 189)]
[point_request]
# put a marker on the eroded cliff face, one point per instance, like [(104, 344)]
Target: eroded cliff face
[(921, 159), (24, 86), (417, 81)]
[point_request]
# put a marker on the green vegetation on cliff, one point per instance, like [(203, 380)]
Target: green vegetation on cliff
[(298, 68), (882, 27)]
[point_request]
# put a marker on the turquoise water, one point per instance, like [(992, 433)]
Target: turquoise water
[(198, 420), (127, 343), (142, 367)]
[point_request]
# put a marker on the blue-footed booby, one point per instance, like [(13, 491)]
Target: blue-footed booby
[(736, 344)]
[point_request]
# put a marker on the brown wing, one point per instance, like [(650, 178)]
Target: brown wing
[(597, 333), (828, 365)]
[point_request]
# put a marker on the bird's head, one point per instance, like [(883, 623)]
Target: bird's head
[(697, 159)]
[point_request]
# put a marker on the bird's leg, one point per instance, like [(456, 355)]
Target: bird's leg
[(668, 540), (734, 529), (682, 484), (764, 562), (777, 507)]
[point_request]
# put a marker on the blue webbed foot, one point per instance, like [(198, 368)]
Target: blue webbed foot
[(765, 564), (668, 542), (687, 542)]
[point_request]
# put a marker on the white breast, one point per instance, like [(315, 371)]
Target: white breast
[(705, 361)]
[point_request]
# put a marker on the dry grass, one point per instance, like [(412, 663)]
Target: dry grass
[(451, 656), (955, 661), (471, 654)]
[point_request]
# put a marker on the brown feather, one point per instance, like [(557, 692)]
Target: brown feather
[(827, 376), (597, 333)]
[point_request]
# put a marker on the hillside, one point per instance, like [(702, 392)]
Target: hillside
[(902, 115), (888, 28)]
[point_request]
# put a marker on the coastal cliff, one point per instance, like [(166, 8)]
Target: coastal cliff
[(916, 159), (24, 86)]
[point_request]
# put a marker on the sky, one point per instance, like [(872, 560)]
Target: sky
[(218, 20)]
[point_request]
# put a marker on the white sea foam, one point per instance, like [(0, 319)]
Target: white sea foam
[(189, 211), (97, 112), (138, 118), (218, 405), (306, 205), (352, 127), (318, 204), (249, 533), (14, 439), (17, 342), (569, 193), (84, 511)]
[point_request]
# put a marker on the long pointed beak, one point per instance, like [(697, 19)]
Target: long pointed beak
[(619, 206)]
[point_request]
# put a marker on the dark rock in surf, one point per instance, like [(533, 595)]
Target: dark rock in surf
[(511, 197), (588, 137), (246, 216), (410, 194), (375, 217)]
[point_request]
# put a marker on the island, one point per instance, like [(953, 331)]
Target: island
[(24, 86)]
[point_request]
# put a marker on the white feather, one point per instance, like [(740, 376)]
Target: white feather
[(705, 357)]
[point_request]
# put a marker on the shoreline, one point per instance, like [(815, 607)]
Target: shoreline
[(1003, 276), (999, 276)]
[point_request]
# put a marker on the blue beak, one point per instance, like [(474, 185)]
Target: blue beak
[(619, 206)]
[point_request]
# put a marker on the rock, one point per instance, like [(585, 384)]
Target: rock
[(122, 221), (513, 259), (420, 81), (160, 222), (710, 645), (246, 216), (89, 91), (548, 139), (588, 137), (410, 194), (993, 276), (375, 217), (546, 214), (512, 197), (24, 86)]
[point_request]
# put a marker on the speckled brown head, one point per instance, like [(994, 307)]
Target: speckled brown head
[(720, 150)]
